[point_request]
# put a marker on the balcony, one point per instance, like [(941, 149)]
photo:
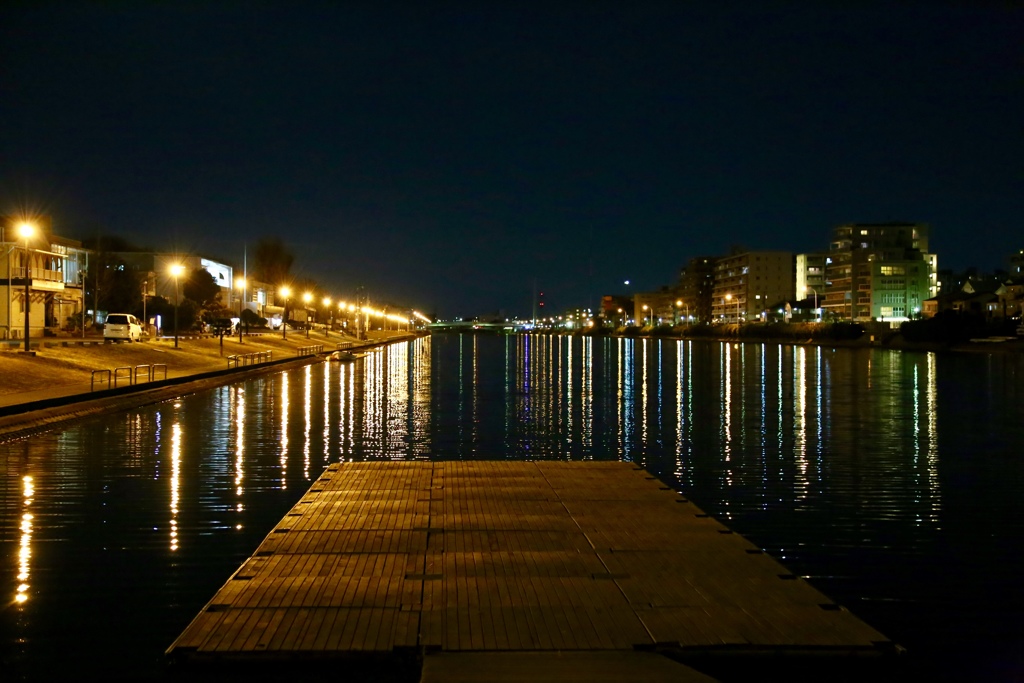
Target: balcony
[(18, 273)]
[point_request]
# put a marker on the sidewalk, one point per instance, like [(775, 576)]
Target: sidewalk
[(54, 379)]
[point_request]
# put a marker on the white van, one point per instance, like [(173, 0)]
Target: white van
[(122, 326)]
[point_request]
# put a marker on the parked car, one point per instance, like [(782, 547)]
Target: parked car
[(122, 326), (221, 326)]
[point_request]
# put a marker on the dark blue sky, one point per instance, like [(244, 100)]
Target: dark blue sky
[(446, 156)]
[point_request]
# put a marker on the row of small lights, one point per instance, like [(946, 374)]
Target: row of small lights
[(240, 283), (26, 230)]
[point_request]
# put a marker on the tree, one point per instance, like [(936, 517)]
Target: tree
[(272, 261), (111, 284), (202, 288)]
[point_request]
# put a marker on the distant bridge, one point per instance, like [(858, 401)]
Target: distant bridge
[(477, 326)]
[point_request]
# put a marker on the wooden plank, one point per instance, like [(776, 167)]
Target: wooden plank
[(503, 556)]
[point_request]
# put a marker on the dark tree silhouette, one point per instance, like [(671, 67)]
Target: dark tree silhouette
[(272, 261), (201, 288)]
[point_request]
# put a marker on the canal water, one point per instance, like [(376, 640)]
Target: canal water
[(892, 481)]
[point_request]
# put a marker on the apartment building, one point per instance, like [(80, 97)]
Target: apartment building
[(655, 308), (810, 275), (746, 284), (879, 271), (696, 287)]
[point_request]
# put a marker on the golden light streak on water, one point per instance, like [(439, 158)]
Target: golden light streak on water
[(285, 411), (800, 389), (175, 482), (643, 395), (569, 387), (588, 392), (326, 436), (934, 486), (307, 412), (344, 369), (25, 541), (680, 408), (239, 419), (726, 402), (351, 407), (421, 393), (373, 388), (620, 392)]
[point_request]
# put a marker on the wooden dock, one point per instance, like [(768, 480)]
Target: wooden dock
[(510, 557)]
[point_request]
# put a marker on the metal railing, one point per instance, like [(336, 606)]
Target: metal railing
[(309, 350), (150, 370), (120, 373), (254, 358), (149, 373), (92, 380)]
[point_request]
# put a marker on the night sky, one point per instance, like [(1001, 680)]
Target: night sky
[(447, 156)]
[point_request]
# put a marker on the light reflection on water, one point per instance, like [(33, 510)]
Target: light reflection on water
[(861, 469)]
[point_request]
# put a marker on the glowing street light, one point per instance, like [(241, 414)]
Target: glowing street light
[(27, 230), (306, 298), (176, 270), (806, 287), (728, 297), (286, 292), (686, 310), (240, 285), (330, 316)]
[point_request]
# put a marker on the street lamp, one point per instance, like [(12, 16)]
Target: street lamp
[(286, 292), (176, 271), (728, 297), (306, 298), (240, 285), (330, 314), (27, 230), (806, 287)]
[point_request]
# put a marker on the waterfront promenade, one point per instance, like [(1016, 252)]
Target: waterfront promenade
[(572, 567), (65, 378)]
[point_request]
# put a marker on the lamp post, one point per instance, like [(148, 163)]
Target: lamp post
[(306, 298), (728, 297), (176, 270), (240, 284), (285, 292), (679, 304), (330, 315), (806, 287), (145, 296), (26, 230)]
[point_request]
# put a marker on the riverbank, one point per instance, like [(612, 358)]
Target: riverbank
[(868, 335), (64, 379)]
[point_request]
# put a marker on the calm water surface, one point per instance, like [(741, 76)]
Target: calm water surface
[(892, 481)]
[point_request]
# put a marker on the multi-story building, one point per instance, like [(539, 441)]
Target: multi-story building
[(747, 284), (810, 276), (696, 286), (616, 309), (879, 271), (52, 267), (655, 308)]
